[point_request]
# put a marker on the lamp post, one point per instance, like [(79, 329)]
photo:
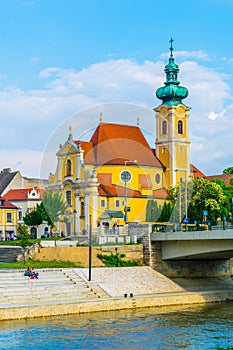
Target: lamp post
[(74, 212), (186, 196), (125, 190)]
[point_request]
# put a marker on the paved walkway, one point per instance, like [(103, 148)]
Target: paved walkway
[(137, 280)]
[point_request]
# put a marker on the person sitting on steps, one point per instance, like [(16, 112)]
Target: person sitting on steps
[(28, 272), (34, 273)]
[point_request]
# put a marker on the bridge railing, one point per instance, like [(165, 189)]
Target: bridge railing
[(159, 227)]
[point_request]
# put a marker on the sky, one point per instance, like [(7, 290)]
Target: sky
[(62, 63)]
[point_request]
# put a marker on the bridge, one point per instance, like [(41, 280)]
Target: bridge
[(195, 245)]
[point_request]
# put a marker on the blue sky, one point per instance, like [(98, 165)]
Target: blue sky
[(60, 59)]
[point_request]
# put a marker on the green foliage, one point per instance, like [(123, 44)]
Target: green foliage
[(116, 260), (228, 170), (33, 218), (52, 206), (41, 264), (166, 213), (207, 195), (158, 213), (24, 236)]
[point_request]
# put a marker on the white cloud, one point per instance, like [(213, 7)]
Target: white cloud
[(34, 60)]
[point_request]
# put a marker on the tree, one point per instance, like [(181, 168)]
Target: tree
[(52, 206), (228, 170), (206, 195), (24, 238), (228, 192), (152, 211), (33, 218), (166, 213)]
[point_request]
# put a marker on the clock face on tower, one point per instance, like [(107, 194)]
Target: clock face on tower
[(180, 110), (163, 111)]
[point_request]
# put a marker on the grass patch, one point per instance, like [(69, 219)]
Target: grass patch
[(40, 264), (32, 241)]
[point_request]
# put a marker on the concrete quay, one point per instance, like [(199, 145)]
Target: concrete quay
[(68, 291)]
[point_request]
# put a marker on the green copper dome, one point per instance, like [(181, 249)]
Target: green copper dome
[(171, 93)]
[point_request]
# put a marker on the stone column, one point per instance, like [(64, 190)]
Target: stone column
[(77, 208), (59, 168), (86, 209), (147, 252)]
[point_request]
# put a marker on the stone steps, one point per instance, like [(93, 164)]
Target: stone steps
[(9, 253), (52, 285)]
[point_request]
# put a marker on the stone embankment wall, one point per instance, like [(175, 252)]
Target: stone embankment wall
[(81, 254)]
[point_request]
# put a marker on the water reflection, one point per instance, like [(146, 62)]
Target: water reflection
[(153, 328)]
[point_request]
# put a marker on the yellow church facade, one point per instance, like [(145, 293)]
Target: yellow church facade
[(108, 180)]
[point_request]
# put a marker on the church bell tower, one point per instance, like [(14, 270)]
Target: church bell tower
[(172, 132)]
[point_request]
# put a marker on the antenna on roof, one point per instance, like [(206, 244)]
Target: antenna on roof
[(101, 117), (138, 120)]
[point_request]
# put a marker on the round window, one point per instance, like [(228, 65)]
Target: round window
[(126, 176), (157, 178)]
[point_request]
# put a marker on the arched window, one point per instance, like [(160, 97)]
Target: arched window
[(68, 198), (68, 167), (164, 127), (157, 178), (180, 127), (82, 211)]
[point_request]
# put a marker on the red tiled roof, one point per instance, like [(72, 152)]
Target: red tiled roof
[(105, 178), (88, 151), (161, 193), (115, 143), (224, 177), (5, 204), (145, 181), (117, 191), (196, 172), (22, 194)]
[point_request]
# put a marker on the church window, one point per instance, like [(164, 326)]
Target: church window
[(157, 178), (163, 150), (180, 127), (20, 215), (164, 127), (68, 198), (8, 217), (68, 167), (126, 176), (82, 209), (117, 203), (102, 203)]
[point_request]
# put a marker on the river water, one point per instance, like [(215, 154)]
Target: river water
[(190, 327)]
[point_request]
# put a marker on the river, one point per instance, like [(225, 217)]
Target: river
[(190, 327)]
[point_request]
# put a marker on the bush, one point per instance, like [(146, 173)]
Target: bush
[(116, 260)]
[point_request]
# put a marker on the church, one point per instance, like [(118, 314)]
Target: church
[(108, 180)]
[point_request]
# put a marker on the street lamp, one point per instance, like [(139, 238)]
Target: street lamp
[(125, 190), (186, 195), (74, 212)]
